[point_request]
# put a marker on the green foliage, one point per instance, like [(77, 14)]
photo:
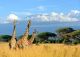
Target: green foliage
[(29, 36), (5, 38), (65, 30), (75, 33), (75, 36), (43, 37), (67, 34), (20, 37), (70, 37), (76, 41), (64, 35)]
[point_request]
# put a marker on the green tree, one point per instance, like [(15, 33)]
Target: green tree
[(64, 33), (65, 30), (72, 37), (5, 38), (43, 37)]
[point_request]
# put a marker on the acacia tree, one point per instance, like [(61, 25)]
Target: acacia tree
[(43, 37), (69, 35), (63, 33), (5, 38)]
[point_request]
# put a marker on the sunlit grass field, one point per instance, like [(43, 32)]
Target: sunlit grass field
[(41, 50)]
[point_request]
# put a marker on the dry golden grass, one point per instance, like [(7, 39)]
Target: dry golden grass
[(42, 50)]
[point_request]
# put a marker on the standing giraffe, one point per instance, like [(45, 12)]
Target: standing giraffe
[(30, 41), (12, 43), (22, 42)]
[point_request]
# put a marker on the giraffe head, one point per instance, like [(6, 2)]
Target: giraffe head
[(29, 23), (34, 33)]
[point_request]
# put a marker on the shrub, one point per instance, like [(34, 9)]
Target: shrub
[(5, 38)]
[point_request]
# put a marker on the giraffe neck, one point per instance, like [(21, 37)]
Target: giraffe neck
[(13, 41), (26, 33), (32, 38), (27, 30), (14, 31)]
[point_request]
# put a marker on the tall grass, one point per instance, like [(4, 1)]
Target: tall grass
[(42, 50)]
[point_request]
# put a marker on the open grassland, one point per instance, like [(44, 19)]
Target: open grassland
[(42, 50)]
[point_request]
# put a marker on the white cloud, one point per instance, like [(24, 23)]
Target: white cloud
[(22, 13), (54, 13), (41, 8), (75, 11), (12, 17), (72, 16), (37, 8), (3, 21)]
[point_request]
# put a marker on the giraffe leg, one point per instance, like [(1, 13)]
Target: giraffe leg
[(9, 45)]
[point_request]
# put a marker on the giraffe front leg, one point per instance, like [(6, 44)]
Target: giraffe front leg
[(10, 46)]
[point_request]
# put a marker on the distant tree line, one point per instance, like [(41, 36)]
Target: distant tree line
[(65, 35), (5, 38)]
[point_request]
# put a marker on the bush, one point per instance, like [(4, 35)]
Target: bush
[(5, 38), (43, 37), (65, 30)]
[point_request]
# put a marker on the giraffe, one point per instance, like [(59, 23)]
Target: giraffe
[(30, 41), (22, 41), (12, 42)]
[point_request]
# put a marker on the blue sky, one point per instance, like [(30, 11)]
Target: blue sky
[(37, 6), (41, 11), (25, 8)]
